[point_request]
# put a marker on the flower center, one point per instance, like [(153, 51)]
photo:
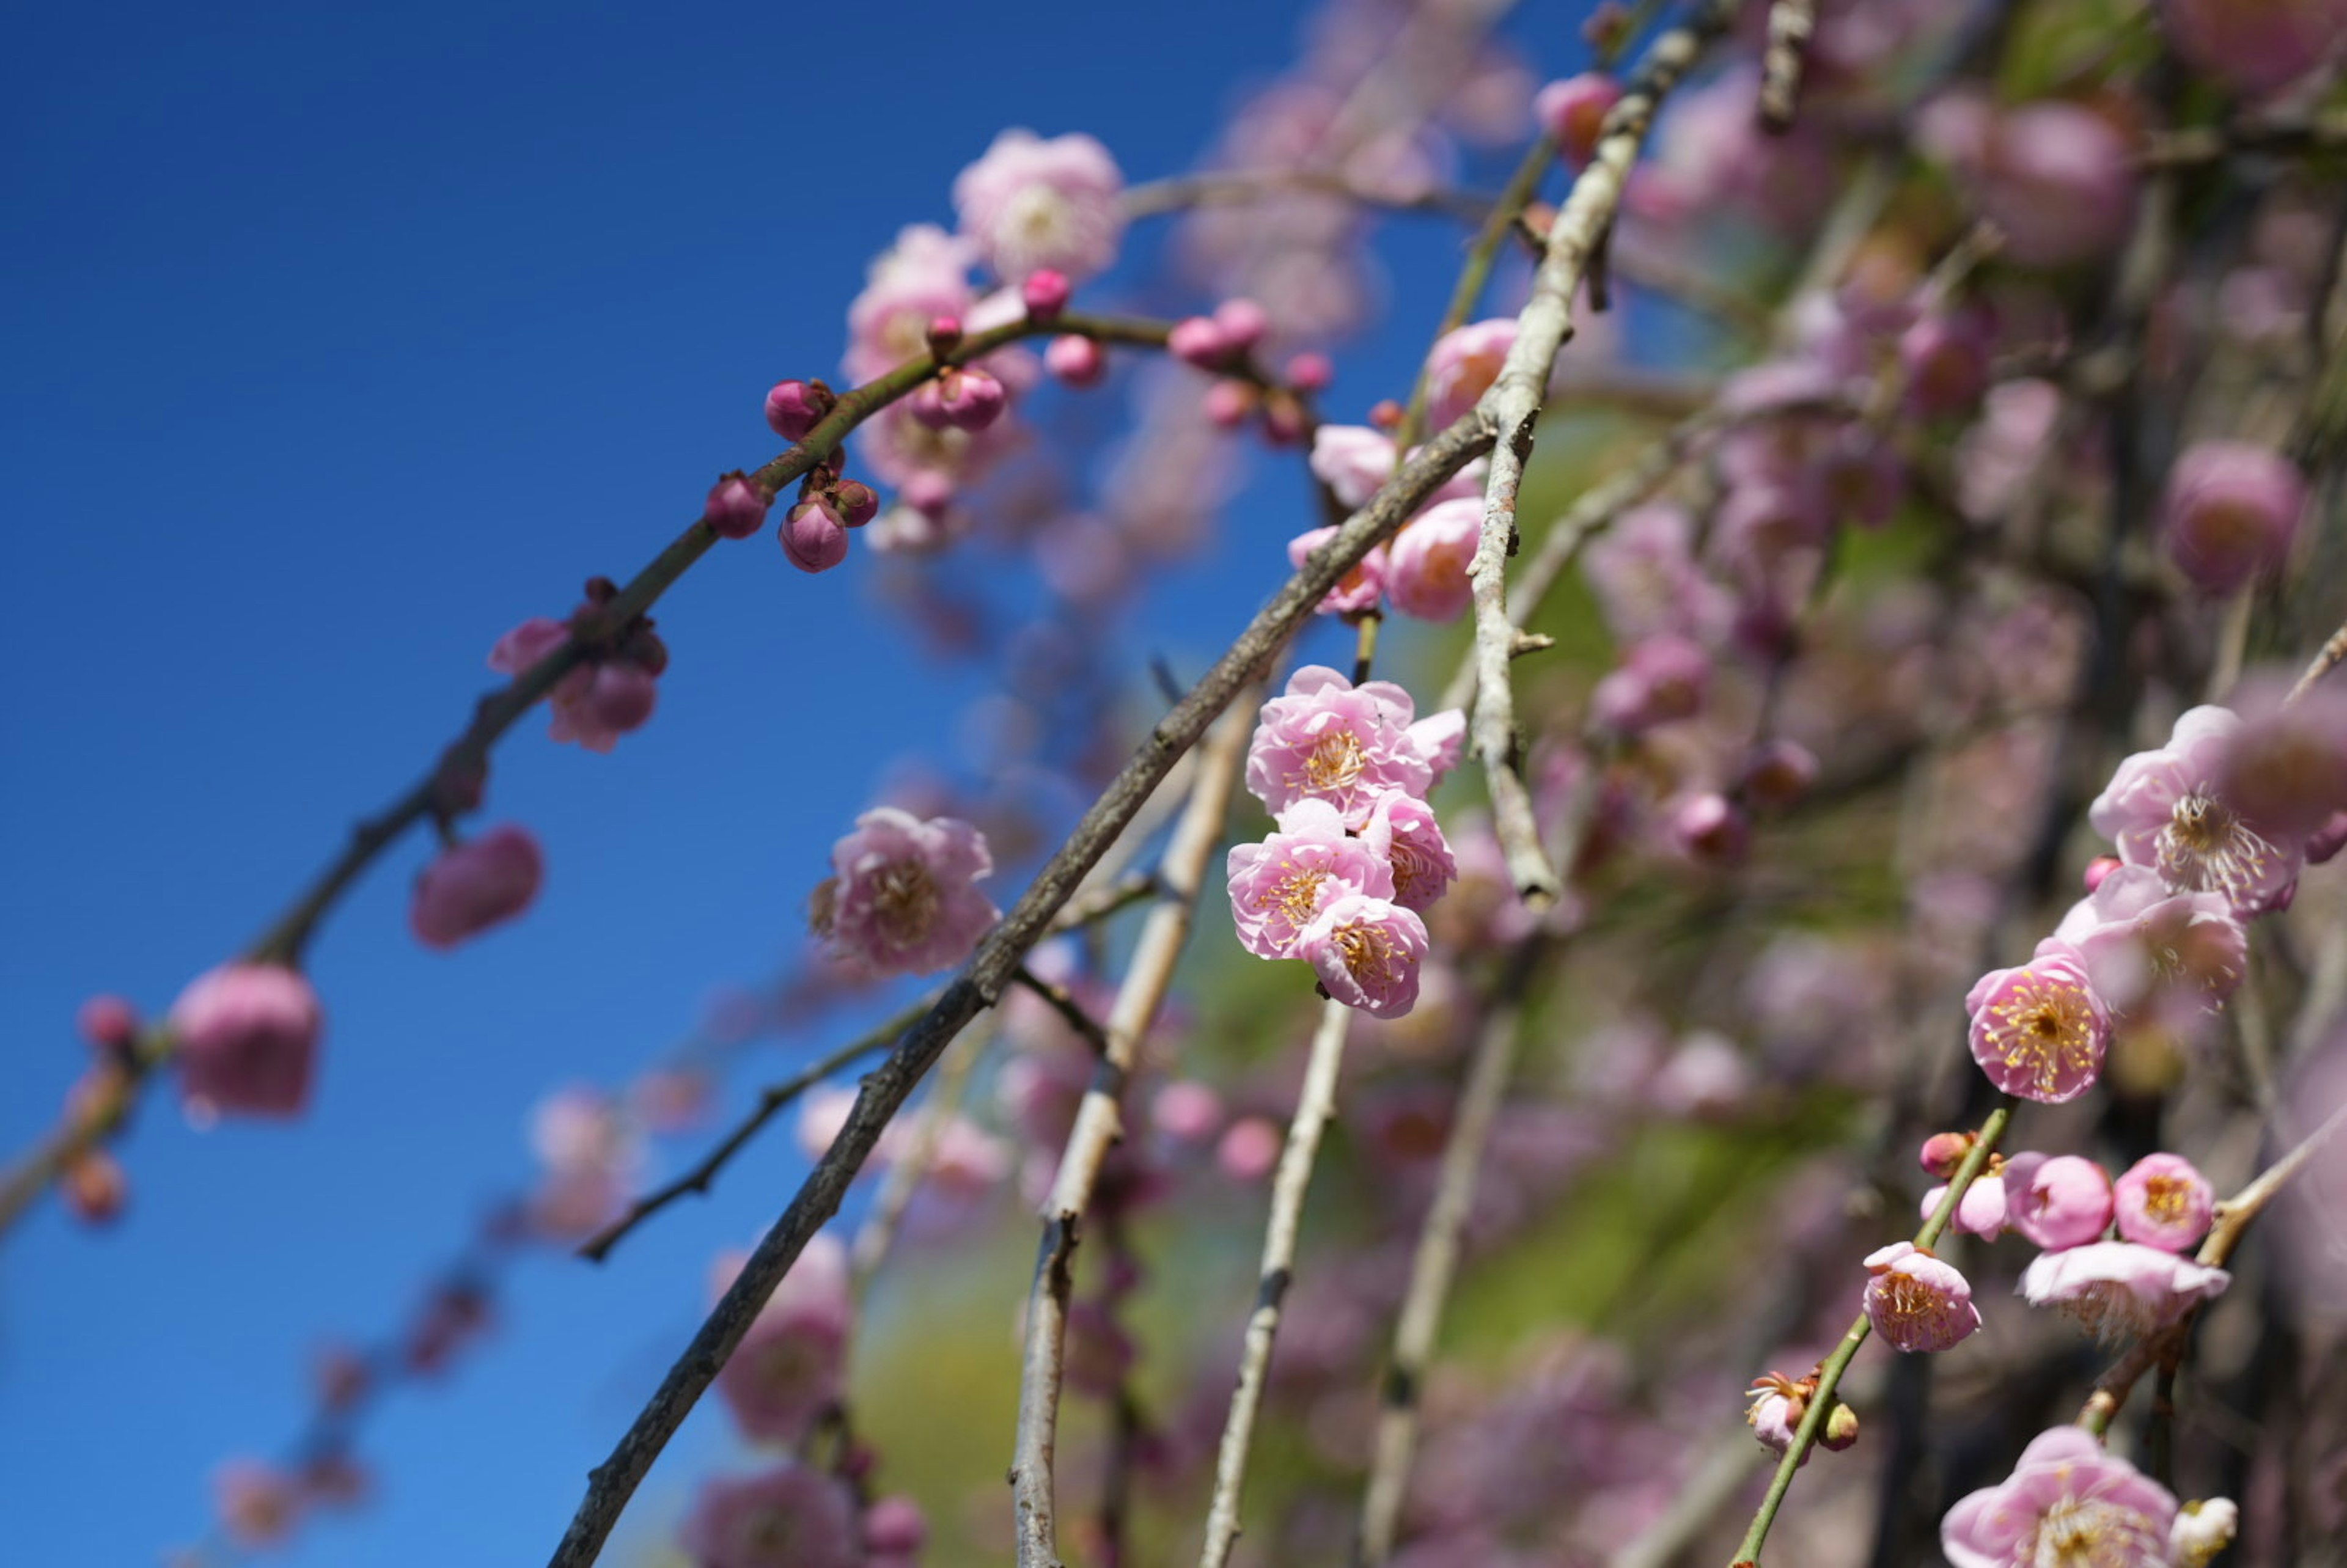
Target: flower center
[(2166, 1198), (1334, 763), (1296, 895), (1037, 215), (1409, 863), (2087, 1532), (904, 901), (2207, 849), (1907, 1301), (1369, 954), (2044, 1027)]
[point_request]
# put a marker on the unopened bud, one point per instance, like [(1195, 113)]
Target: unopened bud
[(944, 334), (1842, 1428), (857, 502), (1198, 341), (1943, 1151), (1309, 372), (1077, 361), (1242, 323), (1046, 293), (796, 407), (95, 1188)]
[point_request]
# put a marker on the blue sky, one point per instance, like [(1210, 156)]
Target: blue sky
[(341, 338)]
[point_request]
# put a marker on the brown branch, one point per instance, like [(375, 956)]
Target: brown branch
[(2325, 660), (1072, 1012)]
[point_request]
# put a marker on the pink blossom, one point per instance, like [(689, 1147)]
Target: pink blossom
[(1077, 361), (1425, 572), (2057, 1202), (2039, 1030), (788, 1517), (523, 647), (1249, 1149), (1324, 739), (2120, 1290), (895, 1527), (1573, 112), (2144, 946), (1709, 827), (109, 1023), (1045, 294), (2067, 1502), (924, 275), (1644, 573), (2164, 1202), (736, 506), (1187, 1111), (1946, 361), (2057, 178), (483, 882), (2254, 46), (1942, 1153), (796, 407), (1031, 203), (1367, 951), (1199, 341), (2286, 767), (792, 1365), (1915, 1301), (1661, 679), (247, 1037), (904, 900), (1403, 831), (2230, 511), (958, 397), (2166, 810), (1353, 460), (1463, 366), (1778, 773), (1981, 1212), (1359, 591), (595, 704), (1279, 886), (1777, 1404), (814, 536), (1241, 323)]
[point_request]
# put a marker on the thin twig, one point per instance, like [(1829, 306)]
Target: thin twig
[(1099, 1123), (982, 980), (1233, 187), (1513, 404), (1315, 1104), (2212, 144), (878, 1231), (1061, 1000), (2324, 661), (1790, 22)]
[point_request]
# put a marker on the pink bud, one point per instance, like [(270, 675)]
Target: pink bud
[(1946, 359), (1943, 1151), (1778, 773), (895, 1526), (796, 407), (1709, 827), (248, 1039), (1200, 342), (1282, 419), (1242, 323), (1573, 112), (944, 334), (1046, 293), (927, 492), (2100, 866), (1187, 1111), (1229, 404), (857, 502), (1249, 1150), (737, 503), (814, 536), (2230, 512), (971, 398), (1309, 372), (476, 885), (621, 697), (1077, 361), (109, 1023), (2058, 1203), (95, 1187), (2328, 840)]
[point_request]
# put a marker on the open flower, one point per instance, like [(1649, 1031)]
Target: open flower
[(1359, 591), (792, 1365), (1463, 366), (1279, 886), (1031, 203), (2056, 1203), (1368, 952), (924, 275), (1915, 1301), (1326, 739), (1403, 830), (905, 898), (2119, 1289), (2067, 1501), (2149, 948), (2164, 1202), (2166, 810), (2039, 1030), (792, 1516)]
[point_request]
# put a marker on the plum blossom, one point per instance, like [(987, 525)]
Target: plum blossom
[(2164, 810), (2039, 1030), (791, 1365), (1463, 366), (1352, 460), (2059, 1202), (247, 1039), (903, 898), (590, 1153), (2120, 1289), (792, 1516), (924, 275), (1982, 1211), (1367, 951), (1915, 1301), (1777, 1404), (1644, 573), (1359, 591), (483, 882), (1326, 739), (2230, 512), (2067, 1501), (1426, 566), (1279, 886), (1031, 203), (1402, 829), (2202, 1530), (2143, 944), (2253, 45), (2164, 1202), (595, 702)]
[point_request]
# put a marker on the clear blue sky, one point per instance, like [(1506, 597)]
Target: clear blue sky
[(341, 338)]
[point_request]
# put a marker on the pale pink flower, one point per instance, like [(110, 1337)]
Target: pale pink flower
[(1031, 203), (2164, 1202), (1573, 112), (1326, 739), (1426, 570), (2286, 767), (591, 1154), (1644, 573), (594, 703), (1075, 361), (247, 1039), (2067, 1501), (1279, 886), (2164, 810), (1367, 951), (1353, 460), (2230, 511), (1981, 1212), (1660, 679), (792, 1365), (924, 275), (1777, 1404), (1249, 1149), (2120, 1290), (1915, 1301), (2254, 46), (895, 1526), (2057, 178), (927, 464), (483, 882), (1356, 592), (792, 1516), (1403, 830), (904, 898), (2039, 1030), (528, 643), (2146, 948), (2057, 1202), (1463, 366)]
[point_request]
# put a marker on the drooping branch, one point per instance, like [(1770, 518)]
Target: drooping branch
[(982, 980)]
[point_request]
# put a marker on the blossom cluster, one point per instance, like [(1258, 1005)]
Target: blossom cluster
[(1357, 854)]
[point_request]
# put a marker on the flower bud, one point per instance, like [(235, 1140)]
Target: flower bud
[(2230, 512), (109, 1023), (1386, 414), (1842, 1428), (1198, 341), (1282, 419), (95, 1187), (1242, 323), (737, 504), (621, 697), (1046, 293), (1308, 371), (895, 1526), (2058, 1203), (2201, 1531), (2253, 47), (248, 1039), (476, 885), (1709, 827), (944, 334), (855, 502), (1573, 113), (1229, 404), (796, 407), (2100, 866), (1779, 773), (1946, 361), (1943, 1151), (1076, 360), (962, 397), (814, 536)]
